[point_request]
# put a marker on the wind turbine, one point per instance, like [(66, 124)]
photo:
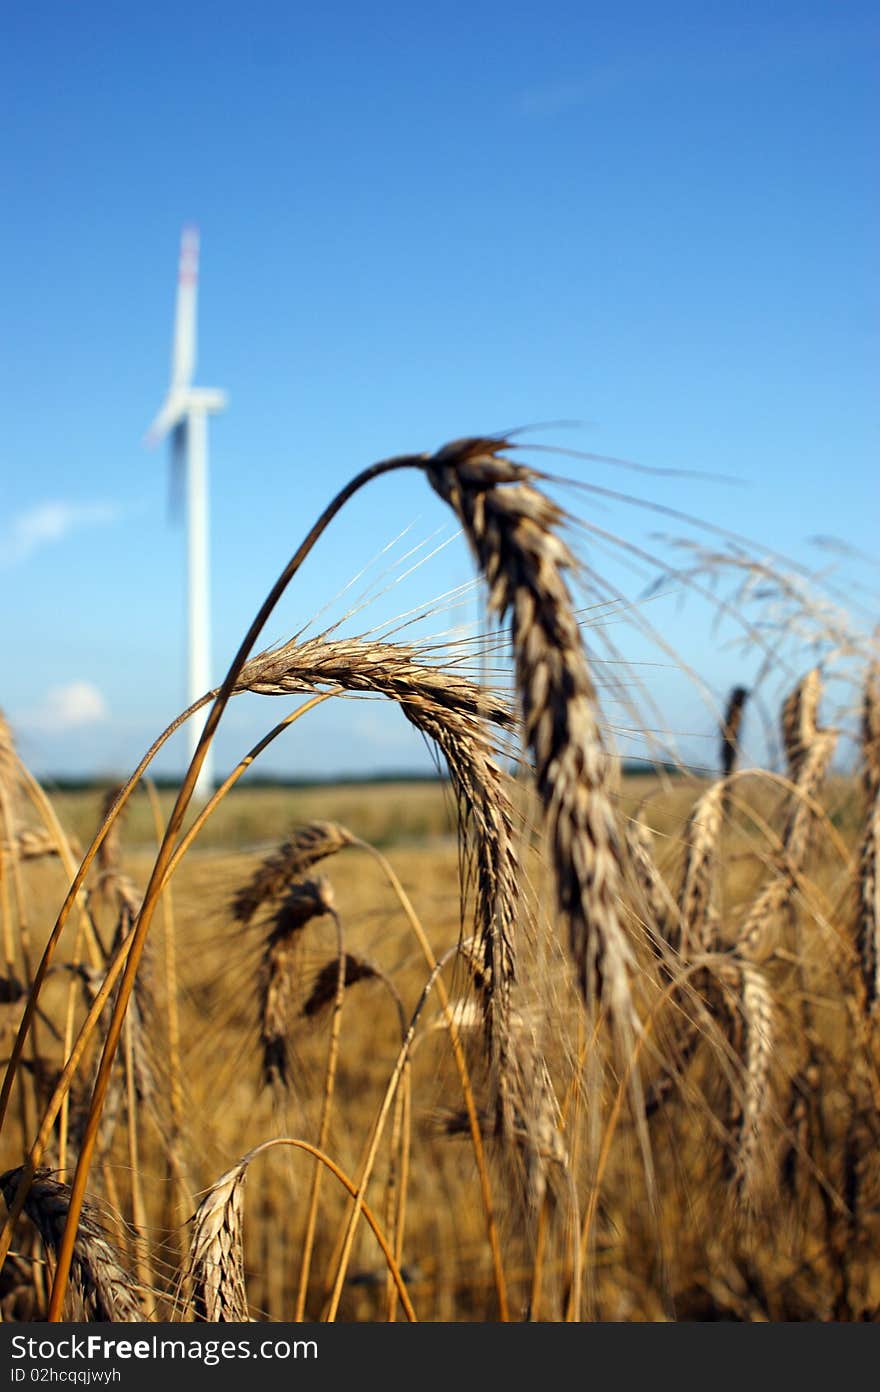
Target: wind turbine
[(184, 414)]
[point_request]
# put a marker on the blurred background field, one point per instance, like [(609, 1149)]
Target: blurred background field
[(700, 1256)]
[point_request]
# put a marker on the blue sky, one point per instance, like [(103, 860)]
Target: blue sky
[(417, 222)]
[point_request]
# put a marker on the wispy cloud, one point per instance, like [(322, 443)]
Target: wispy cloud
[(725, 53), (551, 98), (50, 522), (69, 707)]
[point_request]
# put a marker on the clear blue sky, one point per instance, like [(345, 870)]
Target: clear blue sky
[(417, 222)]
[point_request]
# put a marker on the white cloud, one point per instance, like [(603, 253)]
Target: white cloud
[(69, 707), (552, 98), (49, 522)]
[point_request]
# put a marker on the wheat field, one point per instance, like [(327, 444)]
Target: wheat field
[(534, 1040)]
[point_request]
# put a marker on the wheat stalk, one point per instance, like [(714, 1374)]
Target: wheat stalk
[(143, 1007), (109, 854)]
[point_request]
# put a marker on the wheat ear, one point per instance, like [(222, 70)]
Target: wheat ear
[(308, 900), (216, 1258), (696, 909), (871, 732), (799, 714), (513, 530), (868, 940), (757, 1017), (730, 728), (809, 751), (105, 1288), (454, 714), (304, 848)]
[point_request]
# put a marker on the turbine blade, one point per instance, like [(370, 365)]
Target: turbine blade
[(183, 358), (177, 473), (172, 411)]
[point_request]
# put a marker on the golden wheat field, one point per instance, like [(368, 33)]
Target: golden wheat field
[(536, 1040)]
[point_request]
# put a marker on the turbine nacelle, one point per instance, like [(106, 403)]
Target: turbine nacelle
[(180, 403)]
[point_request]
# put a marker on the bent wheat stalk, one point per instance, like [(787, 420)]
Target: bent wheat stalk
[(337, 996), (216, 1254), (115, 967), (69, 901), (160, 866), (513, 531)]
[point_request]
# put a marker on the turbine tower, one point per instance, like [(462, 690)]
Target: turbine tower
[(184, 415)]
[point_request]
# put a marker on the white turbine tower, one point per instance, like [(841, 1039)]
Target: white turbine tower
[(185, 415)]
